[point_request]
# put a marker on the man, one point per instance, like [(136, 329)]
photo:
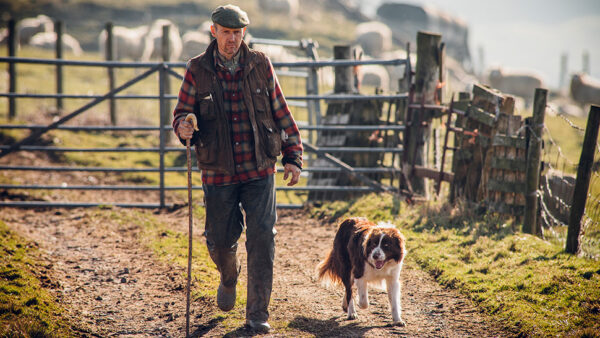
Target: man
[(244, 124)]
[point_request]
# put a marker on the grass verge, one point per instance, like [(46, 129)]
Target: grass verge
[(528, 284), (26, 308)]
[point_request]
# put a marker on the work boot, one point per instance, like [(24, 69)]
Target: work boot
[(229, 268), (226, 297), (258, 325)]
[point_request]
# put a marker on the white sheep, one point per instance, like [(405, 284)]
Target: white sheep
[(374, 37), (374, 76), (127, 42), (585, 89), (520, 83), (289, 8), (29, 27), (47, 40), (194, 43), (153, 43)]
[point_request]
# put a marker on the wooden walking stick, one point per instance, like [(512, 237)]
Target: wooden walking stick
[(188, 151)]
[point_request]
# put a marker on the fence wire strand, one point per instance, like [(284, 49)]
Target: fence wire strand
[(559, 166)]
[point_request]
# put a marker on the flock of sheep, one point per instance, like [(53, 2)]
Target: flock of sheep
[(373, 40)]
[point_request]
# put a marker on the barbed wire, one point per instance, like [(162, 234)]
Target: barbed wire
[(573, 125), (560, 152), (562, 115)]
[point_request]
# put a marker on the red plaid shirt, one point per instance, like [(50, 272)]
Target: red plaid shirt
[(241, 128)]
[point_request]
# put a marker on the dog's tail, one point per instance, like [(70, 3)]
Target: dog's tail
[(327, 270), (337, 263)]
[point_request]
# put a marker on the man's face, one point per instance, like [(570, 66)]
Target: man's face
[(228, 39)]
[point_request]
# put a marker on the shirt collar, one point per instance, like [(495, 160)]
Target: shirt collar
[(231, 65)]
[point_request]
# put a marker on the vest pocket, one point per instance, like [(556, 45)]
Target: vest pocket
[(206, 107), (206, 147), (260, 97), (271, 138)]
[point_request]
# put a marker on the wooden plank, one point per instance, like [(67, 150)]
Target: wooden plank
[(481, 116), (509, 141), (503, 186), (482, 93), (433, 174), (509, 164)]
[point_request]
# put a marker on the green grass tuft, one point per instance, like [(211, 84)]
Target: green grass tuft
[(26, 309)]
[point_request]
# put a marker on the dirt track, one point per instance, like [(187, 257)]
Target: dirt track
[(113, 287)]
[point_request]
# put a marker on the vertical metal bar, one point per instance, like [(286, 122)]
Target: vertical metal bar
[(310, 106), (162, 77), (584, 173), (109, 51), (58, 28), (534, 151), (166, 55), (312, 48), (12, 68)]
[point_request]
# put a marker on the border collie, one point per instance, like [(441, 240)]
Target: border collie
[(366, 253)]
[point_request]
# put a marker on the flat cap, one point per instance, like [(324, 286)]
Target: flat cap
[(230, 16)]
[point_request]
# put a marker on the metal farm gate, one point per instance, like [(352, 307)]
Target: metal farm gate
[(307, 70)]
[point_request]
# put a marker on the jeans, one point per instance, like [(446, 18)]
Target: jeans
[(225, 208)]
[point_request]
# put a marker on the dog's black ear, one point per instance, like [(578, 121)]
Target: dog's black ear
[(400, 241), (356, 251)]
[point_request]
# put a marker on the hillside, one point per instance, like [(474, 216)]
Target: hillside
[(327, 22)]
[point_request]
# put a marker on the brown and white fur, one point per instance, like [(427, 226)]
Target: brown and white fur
[(365, 253)]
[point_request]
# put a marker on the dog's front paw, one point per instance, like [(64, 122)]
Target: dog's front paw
[(399, 322)]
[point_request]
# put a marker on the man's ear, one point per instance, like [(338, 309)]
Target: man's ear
[(244, 31), (213, 31)]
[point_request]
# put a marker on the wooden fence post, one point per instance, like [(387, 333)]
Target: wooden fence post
[(166, 53), (343, 75), (584, 172), (12, 68), (534, 151), (109, 55), (426, 83), (58, 29)]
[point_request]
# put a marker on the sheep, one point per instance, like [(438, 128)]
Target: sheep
[(585, 89), (29, 27), (153, 41), (374, 37), (289, 8), (374, 76), (275, 53), (194, 43), (127, 42), (47, 40), (521, 84)]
